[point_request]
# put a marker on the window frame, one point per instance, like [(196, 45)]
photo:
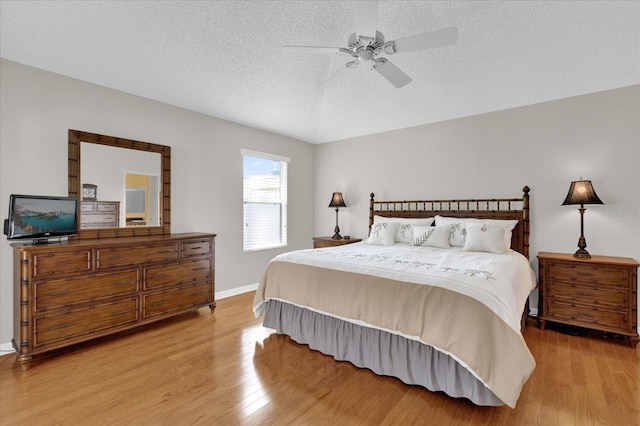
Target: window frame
[(282, 201)]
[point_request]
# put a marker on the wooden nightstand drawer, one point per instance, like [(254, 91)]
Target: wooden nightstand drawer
[(580, 315), (587, 274), (590, 295)]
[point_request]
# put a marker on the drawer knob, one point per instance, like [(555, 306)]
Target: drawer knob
[(61, 326), (58, 293)]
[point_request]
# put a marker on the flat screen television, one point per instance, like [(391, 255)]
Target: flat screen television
[(40, 218)]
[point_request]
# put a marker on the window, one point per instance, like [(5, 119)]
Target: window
[(264, 199)]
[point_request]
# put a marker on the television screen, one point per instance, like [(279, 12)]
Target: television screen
[(41, 217)]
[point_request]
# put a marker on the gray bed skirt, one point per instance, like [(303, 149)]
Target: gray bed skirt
[(382, 352)]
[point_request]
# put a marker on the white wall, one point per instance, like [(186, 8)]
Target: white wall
[(544, 146), (36, 110)]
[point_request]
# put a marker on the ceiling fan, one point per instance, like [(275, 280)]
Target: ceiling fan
[(367, 44)]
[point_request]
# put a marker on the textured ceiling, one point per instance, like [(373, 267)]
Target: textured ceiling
[(225, 58)]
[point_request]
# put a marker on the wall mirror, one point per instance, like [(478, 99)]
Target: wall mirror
[(125, 180)]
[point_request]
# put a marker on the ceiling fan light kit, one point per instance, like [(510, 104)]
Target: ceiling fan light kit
[(366, 44)]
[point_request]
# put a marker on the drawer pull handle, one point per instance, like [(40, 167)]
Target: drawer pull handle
[(195, 248), (122, 312), (58, 293), (200, 293), (161, 302), (159, 276), (167, 252), (114, 257), (121, 282), (585, 293), (58, 327), (199, 269), (63, 262), (584, 273), (587, 314)]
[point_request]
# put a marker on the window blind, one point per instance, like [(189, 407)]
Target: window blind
[(264, 200)]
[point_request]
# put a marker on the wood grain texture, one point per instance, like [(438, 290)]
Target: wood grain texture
[(225, 368)]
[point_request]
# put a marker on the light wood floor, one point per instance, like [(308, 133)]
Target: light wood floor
[(226, 369)]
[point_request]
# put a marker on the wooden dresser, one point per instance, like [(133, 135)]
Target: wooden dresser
[(99, 214), (82, 289), (598, 293)]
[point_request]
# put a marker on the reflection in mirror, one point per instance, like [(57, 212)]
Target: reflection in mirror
[(104, 162), (141, 198), (108, 168)]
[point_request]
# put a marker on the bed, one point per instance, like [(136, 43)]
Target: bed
[(441, 304)]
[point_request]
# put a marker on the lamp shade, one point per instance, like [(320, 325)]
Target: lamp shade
[(581, 192), (337, 200)]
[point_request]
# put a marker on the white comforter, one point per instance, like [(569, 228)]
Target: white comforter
[(502, 282)]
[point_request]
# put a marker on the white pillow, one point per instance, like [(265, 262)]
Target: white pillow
[(432, 236), (458, 231), (485, 237), (382, 234), (404, 233)]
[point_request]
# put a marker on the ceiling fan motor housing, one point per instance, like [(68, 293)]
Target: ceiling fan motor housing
[(366, 48)]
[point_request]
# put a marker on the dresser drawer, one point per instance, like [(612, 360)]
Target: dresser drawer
[(580, 315), (587, 274), (98, 220), (66, 262), (183, 272), (590, 295), (58, 293), (195, 248), (71, 324), (111, 258), (179, 299)]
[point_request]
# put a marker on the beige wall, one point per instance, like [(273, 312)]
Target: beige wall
[(544, 146), (36, 110)]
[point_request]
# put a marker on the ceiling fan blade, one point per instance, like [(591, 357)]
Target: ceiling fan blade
[(311, 49), (428, 40), (365, 14), (339, 75), (392, 73)]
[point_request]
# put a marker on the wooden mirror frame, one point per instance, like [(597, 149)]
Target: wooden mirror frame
[(77, 136)]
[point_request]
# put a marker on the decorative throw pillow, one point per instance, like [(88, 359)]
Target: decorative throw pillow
[(382, 234), (458, 232), (432, 236), (404, 233), (457, 229), (485, 237)]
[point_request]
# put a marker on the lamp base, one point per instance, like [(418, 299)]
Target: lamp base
[(582, 247), (582, 253), (336, 232)]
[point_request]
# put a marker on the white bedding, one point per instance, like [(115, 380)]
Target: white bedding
[(502, 282)]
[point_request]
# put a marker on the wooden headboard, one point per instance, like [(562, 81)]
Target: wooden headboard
[(495, 208)]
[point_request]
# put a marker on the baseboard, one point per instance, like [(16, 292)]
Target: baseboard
[(6, 349), (236, 291), (533, 312)]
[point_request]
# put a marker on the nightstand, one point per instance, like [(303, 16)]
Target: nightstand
[(320, 242), (599, 293)]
